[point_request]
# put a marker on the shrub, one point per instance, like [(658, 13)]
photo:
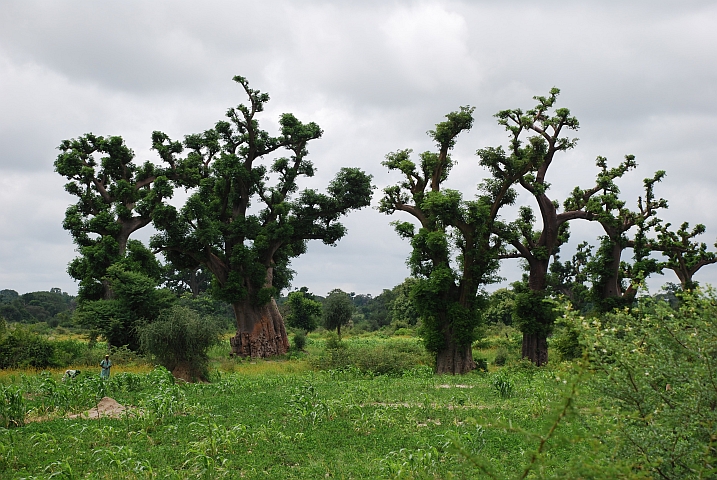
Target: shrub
[(69, 352), (566, 340), (501, 356), (299, 340), (393, 357), (180, 339), (658, 365), (23, 348)]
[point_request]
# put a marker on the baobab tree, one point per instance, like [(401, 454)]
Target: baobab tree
[(248, 250)]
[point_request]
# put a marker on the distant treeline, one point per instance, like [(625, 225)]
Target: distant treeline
[(54, 307)]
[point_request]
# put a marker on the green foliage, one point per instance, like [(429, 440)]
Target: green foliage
[(391, 357), (249, 251), (12, 407), (658, 367), (180, 336), (614, 282), (684, 255), (52, 307), (502, 385), (304, 311), (501, 357), (337, 310), (499, 308), (566, 339), (20, 347), (192, 281), (116, 197), (299, 340), (136, 301), (534, 313), (571, 278), (459, 242), (340, 422), (401, 306)]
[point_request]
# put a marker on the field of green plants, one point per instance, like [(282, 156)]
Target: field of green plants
[(634, 406)]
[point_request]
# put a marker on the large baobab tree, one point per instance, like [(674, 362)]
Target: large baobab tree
[(245, 229)]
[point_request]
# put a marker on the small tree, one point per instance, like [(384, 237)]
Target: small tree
[(338, 309), (180, 338), (685, 255), (305, 311)]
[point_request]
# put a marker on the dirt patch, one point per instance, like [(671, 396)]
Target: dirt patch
[(183, 371), (454, 386), (107, 407)]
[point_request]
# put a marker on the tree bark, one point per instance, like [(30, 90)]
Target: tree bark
[(535, 348), (454, 359), (535, 345), (260, 331), (612, 287)]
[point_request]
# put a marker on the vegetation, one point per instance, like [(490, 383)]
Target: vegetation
[(304, 311), (54, 307), (598, 416), (247, 251), (179, 338), (445, 293), (337, 310)]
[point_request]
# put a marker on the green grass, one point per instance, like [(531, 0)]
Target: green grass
[(284, 425), (281, 419)]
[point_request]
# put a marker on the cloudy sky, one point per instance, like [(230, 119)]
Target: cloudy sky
[(641, 77)]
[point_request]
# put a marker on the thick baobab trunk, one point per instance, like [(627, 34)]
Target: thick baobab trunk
[(612, 287), (535, 348), (535, 345), (454, 359), (260, 331)]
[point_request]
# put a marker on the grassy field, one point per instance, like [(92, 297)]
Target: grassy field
[(283, 419)]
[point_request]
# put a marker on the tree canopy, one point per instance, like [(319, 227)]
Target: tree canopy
[(337, 311), (247, 219)]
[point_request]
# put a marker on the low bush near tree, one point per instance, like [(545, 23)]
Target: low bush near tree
[(180, 339)]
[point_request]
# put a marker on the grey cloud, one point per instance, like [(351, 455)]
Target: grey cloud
[(640, 76)]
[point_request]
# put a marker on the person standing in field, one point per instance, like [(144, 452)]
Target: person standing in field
[(105, 364)]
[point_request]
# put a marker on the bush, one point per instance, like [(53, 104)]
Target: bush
[(392, 357), (299, 340), (23, 348), (180, 339), (566, 339), (481, 364), (68, 352), (658, 365), (501, 356)]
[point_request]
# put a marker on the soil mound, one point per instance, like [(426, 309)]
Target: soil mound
[(107, 407)]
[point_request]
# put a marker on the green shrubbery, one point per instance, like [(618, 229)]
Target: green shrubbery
[(391, 357), (180, 339), (657, 366)]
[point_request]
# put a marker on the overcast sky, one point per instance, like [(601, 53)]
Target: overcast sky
[(640, 76)]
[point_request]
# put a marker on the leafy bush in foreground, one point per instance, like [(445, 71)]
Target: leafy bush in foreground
[(659, 366)]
